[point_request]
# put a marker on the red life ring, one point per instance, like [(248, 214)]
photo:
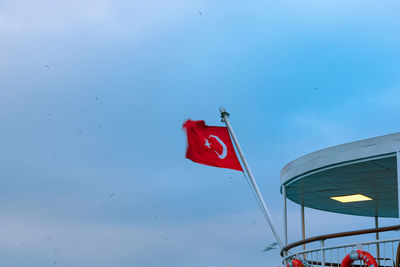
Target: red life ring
[(359, 255), (295, 263)]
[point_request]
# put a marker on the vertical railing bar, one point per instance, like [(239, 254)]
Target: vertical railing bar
[(393, 253), (322, 244), (387, 258), (378, 249), (312, 255), (368, 249), (337, 253), (344, 252), (384, 253)]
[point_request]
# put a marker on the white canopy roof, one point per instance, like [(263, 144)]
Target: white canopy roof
[(367, 167)]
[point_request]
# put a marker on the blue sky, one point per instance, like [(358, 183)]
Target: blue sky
[(93, 95)]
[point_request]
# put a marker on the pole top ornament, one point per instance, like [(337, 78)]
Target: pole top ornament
[(224, 114)]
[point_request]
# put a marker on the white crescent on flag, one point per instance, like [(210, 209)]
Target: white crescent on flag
[(224, 149)]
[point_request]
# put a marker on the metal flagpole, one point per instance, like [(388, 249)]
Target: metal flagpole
[(264, 209)]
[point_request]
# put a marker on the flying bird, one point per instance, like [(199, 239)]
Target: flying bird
[(271, 247)]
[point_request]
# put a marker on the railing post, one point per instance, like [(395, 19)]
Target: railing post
[(377, 238), (398, 180), (322, 253), (285, 241), (303, 226), (284, 222)]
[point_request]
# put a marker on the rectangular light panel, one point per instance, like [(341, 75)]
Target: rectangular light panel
[(351, 198)]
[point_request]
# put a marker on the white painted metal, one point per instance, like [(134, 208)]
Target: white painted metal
[(303, 225), (285, 220), (285, 214), (267, 215), (377, 238), (349, 245), (398, 179), (290, 180), (322, 243), (387, 144), (323, 176)]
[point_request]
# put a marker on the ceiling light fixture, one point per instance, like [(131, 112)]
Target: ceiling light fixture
[(351, 198)]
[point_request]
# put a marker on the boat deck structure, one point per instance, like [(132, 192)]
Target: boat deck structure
[(359, 178)]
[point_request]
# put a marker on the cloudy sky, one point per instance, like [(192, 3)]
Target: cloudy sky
[(93, 95)]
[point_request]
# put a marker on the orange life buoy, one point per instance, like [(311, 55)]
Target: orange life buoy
[(359, 255), (295, 263)]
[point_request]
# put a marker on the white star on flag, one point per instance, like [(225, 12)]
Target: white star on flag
[(207, 144)]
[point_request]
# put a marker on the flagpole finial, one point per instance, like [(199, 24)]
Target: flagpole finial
[(224, 114)]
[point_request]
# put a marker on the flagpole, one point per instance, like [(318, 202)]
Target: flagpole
[(263, 206)]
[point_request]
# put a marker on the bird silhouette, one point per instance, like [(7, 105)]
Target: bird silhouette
[(271, 247)]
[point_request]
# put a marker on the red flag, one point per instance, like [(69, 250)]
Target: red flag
[(210, 145)]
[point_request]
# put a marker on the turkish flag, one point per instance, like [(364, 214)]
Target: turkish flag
[(210, 145)]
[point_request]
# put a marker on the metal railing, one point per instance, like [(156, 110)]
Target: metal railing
[(385, 251)]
